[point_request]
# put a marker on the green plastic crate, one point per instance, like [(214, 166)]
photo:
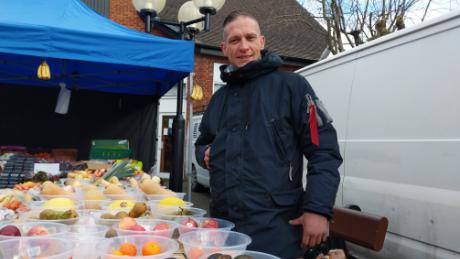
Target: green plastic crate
[(110, 144), (104, 153)]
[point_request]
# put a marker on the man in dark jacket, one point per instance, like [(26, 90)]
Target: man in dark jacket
[(253, 136)]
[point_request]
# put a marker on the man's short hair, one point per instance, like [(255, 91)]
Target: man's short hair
[(235, 14)]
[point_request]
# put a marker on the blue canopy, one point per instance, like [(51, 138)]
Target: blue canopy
[(86, 50)]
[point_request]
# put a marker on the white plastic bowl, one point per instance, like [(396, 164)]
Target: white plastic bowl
[(36, 247), (233, 254), (169, 213), (179, 195), (149, 224), (199, 243), (222, 224), (54, 229), (168, 246), (83, 231), (34, 215), (155, 204)]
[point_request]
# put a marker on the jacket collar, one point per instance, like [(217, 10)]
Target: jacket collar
[(268, 63)]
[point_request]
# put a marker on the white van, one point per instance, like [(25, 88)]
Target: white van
[(200, 176), (396, 106)]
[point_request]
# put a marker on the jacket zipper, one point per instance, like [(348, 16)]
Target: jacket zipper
[(283, 150)]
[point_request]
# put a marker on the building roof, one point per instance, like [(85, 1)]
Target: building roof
[(290, 30)]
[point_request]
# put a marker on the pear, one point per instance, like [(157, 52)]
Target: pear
[(49, 188), (149, 186), (114, 189)]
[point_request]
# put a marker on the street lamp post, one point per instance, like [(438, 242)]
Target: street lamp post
[(193, 17)]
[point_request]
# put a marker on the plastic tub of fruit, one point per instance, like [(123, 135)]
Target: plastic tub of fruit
[(68, 217), (199, 243), (179, 195), (128, 195), (56, 203), (95, 204), (203, 223), (72, 196), (30, 229), (157, 203), (247, 254), (137, 247), (155, 227), (113, 217), (178, 213), (36, 247), (120, 205)]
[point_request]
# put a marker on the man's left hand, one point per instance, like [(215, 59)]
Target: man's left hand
[(315, 228)]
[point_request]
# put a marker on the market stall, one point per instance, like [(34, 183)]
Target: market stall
[(115, 76)]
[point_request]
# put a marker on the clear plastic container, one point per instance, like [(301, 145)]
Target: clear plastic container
[(86, 237), (72, 196), (199, 243), (155, 227), (178, 213), (36, 247), (155, 204), (252, 254), (85, 248), (102, 221), (95, 204), (133, 195), (38, 205), (52, 229), (158, 197), (34, 215), (188, 224), (83, 231), (168, 246)]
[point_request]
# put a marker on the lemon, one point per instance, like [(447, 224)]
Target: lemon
[(172, 201), (121, 204), (61, 203)]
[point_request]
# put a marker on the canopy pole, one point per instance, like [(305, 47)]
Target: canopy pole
[(177, 169)]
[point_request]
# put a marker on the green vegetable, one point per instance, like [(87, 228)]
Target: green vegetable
[(120, 170)]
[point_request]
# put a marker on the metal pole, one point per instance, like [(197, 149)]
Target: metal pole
[(190, 137), (176, 177), (148, 22)]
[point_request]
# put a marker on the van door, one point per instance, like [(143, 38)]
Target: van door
[(403, 141)]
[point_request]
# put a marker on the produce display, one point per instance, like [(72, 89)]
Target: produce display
[(129, 202)]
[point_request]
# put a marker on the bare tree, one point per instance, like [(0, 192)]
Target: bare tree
[(354, 22)]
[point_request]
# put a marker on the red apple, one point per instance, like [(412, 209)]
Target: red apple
[(37, 231), (189, 222), (10, 231), (161, 226), (210, 223), (137, 228)]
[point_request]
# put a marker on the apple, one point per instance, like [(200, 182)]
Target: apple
[(189, 222), (37, 231), (127, 223), (210, 223), (137, 228), (161, 226), (10, 231)]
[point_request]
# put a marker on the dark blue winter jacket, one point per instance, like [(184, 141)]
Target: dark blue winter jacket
[(258, 129)]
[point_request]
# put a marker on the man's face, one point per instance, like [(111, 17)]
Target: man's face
[(242, 41)]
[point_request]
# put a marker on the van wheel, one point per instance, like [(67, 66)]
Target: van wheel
[(196, 187)]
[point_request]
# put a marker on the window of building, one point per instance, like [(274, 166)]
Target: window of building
[(217, 83)]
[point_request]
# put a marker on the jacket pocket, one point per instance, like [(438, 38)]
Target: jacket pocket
[(287, 198), (280, 147)]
